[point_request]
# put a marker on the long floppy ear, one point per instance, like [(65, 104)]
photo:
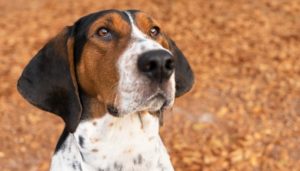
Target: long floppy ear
[(184, 76), (49, 82)]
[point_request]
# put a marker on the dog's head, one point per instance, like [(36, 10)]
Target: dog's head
[(123, 59)]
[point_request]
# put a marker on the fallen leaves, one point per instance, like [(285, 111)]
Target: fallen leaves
[(242, 114)]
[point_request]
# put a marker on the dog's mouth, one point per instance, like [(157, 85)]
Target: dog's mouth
[(156, 103)]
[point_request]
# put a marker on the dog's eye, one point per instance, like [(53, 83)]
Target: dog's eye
[(154, 31), (104, 33)]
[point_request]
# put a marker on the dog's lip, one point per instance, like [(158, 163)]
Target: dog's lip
[(158, 94), (113, 110)]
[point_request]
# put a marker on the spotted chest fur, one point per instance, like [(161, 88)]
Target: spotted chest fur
[(130, 143)]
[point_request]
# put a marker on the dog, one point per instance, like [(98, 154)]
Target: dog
[(109, 77)]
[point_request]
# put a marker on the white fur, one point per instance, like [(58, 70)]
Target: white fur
[(130, 143)]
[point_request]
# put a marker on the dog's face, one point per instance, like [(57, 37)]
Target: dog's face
[(121, 58), (112, 65)]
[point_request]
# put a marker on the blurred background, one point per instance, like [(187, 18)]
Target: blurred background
[(243, 113)]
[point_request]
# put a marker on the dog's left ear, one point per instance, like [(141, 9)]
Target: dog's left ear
[(184, 76), (49, 82)]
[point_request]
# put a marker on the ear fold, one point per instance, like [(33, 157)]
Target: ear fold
[(184, 76), (49, 83)]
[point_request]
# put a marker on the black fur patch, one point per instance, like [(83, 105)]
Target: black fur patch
[(46, 81), (62, 138), (184, 76), (83, 159), (139, 160), (118, 166), (81, 141), (76, 165)]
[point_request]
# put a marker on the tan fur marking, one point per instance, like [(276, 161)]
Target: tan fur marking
[(145, 23), (94, 140), (97, 70), (151, 138), (111, 124), (95, 150), (128, 151)]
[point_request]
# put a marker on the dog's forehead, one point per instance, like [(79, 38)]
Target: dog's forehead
[(83, 26), (141, 19), (129, 16)]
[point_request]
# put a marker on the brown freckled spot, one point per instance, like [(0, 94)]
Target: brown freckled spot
[(111, 124), (94, 150), (94, 123), (151, 138), (104, 157), (129, 150), (94, 140)]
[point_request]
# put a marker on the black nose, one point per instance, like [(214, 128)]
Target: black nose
[(158, 65)]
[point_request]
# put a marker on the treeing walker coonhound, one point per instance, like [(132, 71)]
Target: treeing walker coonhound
[(109, 77)]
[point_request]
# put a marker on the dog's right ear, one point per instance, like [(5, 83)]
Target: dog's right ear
[(184, 76), (49, 82)]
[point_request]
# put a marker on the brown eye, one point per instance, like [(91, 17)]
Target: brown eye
[(104, 33), (154, 31)]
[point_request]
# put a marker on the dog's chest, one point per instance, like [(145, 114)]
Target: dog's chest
[(113, 143)]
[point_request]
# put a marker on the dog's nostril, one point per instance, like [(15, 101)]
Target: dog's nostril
[(169, 64), (151, 66)]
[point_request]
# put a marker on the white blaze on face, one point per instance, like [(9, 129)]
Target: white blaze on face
[(134, 88)]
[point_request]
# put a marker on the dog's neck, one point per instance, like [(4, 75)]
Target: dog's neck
[(99, 138), (130, 141), (129, 126)]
